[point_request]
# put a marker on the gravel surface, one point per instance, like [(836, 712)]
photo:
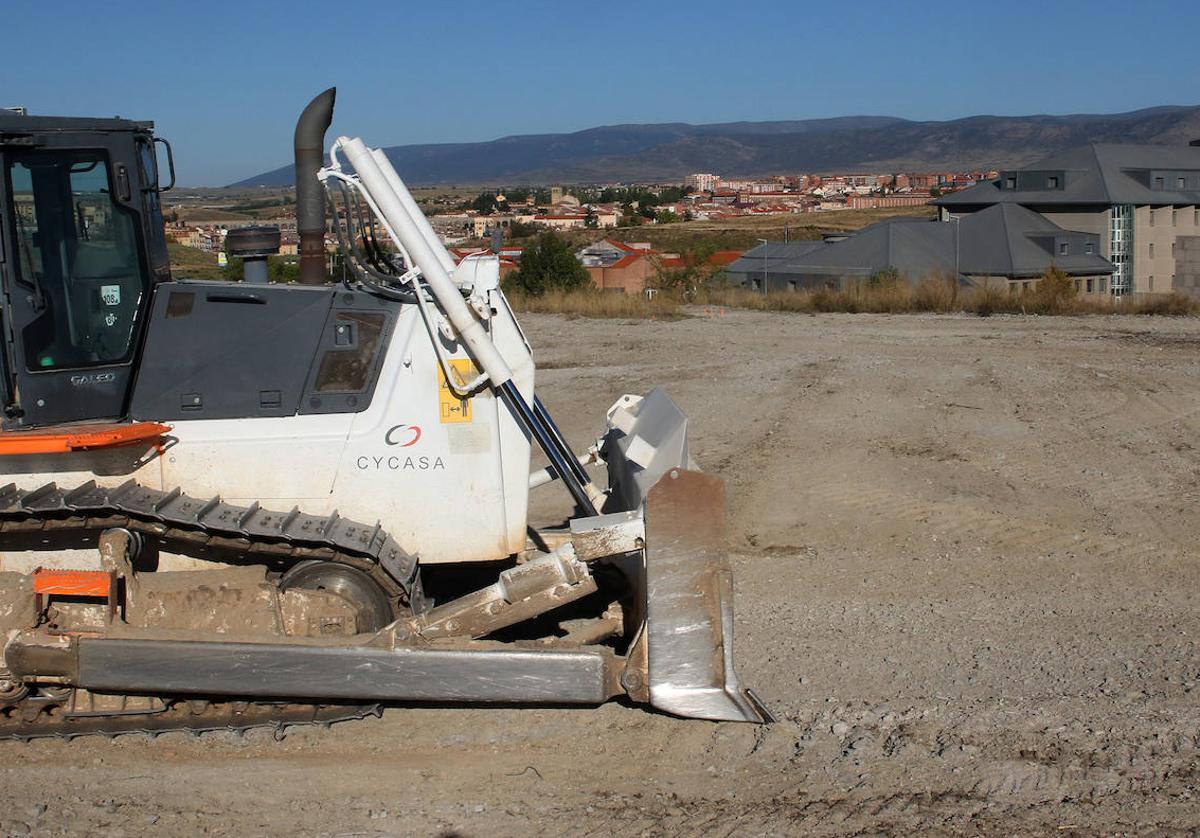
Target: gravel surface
[(965, 575)]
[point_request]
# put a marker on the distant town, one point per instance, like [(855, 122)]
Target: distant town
[(700, 197), (1115, 220)]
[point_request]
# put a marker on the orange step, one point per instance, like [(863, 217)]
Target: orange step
[(63, 439), (94, 583)]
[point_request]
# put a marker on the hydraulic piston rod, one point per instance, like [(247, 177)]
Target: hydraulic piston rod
[(408, 234)]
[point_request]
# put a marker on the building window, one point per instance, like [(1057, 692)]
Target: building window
[(1196, 217), (1180, 183), (1103, 285), (1120, 250), (1151, 250), (1151, 218), (1078, 285), (1052, 182), (1010, 183), (1172, 250), (1091, 283), (1158, 183), (1151, 282), (1063, 248), (1089, 248), (1174, 217)]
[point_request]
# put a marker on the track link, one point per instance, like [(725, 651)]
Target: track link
[(36, 718), (38, 519), (209, 526)]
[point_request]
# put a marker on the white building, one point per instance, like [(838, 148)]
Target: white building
[(703, 182)]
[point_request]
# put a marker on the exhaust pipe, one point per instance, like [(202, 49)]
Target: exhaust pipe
[(310, 194)]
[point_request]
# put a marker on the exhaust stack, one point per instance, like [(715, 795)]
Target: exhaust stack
[(310, 194)]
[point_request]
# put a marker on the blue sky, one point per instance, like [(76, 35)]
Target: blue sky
[(225, 81)]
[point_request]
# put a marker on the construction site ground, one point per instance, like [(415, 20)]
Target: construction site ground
[(966, 574)]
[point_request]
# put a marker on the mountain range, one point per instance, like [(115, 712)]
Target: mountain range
[(669, 151)]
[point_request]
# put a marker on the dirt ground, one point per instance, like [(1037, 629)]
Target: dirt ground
[(966, 581)]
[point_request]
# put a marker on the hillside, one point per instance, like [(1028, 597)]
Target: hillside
[(672, 150)]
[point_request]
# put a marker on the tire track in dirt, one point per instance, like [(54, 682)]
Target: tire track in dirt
[(1146, 409), (754, 465), (965, 525), (1105, 489), (748, 466)]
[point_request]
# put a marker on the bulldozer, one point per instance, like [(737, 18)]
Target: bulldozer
[(236, 504)]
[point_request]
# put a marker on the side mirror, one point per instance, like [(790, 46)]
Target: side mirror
[(170, 163)]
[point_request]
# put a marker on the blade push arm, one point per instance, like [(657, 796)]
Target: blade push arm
[(390, 199)]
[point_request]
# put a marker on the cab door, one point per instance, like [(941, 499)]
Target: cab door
[(75, 283)]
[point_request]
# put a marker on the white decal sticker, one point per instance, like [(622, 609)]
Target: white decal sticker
[(469, 439), (110, 294)]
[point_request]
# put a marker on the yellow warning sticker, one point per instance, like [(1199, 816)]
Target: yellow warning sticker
[(451, 408)]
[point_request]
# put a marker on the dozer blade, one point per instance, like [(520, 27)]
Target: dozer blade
[(689, 603), (685, 586)]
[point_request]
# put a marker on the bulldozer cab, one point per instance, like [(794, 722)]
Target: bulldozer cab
[(81, 247)]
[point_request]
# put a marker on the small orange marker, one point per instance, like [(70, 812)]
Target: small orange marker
[(88, 583)]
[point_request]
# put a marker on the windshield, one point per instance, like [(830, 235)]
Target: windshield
[(77, 254)]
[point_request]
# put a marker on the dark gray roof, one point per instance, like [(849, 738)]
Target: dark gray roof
[(1003, 240), (773, 253), (1102, 174), (913, 247), (1010, 240)]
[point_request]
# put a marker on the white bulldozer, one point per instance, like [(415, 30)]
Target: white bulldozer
[(234, 504)]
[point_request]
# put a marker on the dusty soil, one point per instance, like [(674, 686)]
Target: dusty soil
[(966, 580)]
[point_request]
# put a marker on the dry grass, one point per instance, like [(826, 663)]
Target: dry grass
[(941, 297), (935, 296), (598, 304), (190, 263)]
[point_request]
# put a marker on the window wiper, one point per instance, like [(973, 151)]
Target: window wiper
[(38, 300)]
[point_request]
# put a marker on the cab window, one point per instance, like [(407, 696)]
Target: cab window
[(77, 260)]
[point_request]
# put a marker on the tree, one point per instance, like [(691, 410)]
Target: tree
[(283, 269), (697, 272), (521, 229), (484, 204), (279, 269), (1055, 291), (549, 265)]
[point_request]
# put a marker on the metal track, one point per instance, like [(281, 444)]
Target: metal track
[(36, 717), (189, 525), (179, 523)]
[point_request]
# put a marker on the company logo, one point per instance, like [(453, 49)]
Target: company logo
[(365, 463), (404, 436), (93, 378)]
